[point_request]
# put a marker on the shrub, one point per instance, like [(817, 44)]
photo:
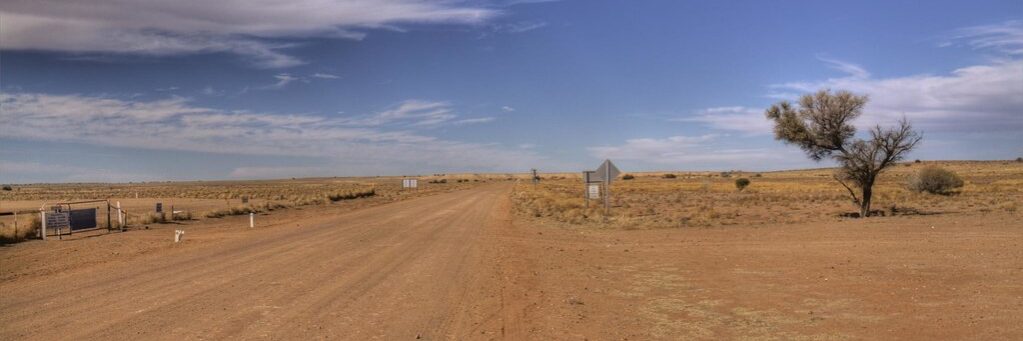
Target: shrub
[(153, 218), (741, 183), (917, 161), (183, 215), (935, 180), (726, 174), (438, 181), (669, 176), (8, 188), (628, 177), (1019, 159), (350, 195)]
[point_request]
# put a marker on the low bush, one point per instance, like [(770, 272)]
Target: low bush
[(741, 183), (153, 218), (628, 177), (438, 181), (8, 188), (349, 195), (669, 176), (935, 180), (183, 215), (236, 210)]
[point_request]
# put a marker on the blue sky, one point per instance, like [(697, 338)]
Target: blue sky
[(128, 91)]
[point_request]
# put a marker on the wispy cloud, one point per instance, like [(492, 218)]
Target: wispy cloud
[(519, 27), (851, 69), (252, 30), (737, 118), (283, 79), (411, 113), (691, 152), (507, 109), (325, 75), (473, 120), (378, 142), (1005, 37)]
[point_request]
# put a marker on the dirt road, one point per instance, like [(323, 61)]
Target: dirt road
[(457, 266), (399, 271)]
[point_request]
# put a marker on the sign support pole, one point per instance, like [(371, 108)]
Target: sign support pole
[(607, 192)]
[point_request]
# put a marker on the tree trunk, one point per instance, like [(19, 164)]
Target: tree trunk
[(865, 200)]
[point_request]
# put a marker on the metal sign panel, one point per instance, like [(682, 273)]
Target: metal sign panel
[(57, 220), (594, 191), (409, 183), (590, 177), (607, 171), (82, 219)]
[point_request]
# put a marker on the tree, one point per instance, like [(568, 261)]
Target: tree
[(822, 127), (741, 183)]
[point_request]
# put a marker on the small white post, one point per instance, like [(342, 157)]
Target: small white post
[(42, 220), (252, 220), (178, 235), (120, 215)]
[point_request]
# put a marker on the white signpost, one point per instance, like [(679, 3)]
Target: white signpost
[(410, 183), (606, 172)]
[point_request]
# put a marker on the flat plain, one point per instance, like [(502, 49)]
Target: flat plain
[(689, 257)]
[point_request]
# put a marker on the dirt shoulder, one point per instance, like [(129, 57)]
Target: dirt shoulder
[(925, 277)]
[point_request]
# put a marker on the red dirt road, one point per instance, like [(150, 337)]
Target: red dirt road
[(397, 271), (458, 266)]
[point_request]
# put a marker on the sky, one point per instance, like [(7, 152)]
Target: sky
[(122, 90)]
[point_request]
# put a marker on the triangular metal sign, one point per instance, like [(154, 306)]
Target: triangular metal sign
[(608, 171)]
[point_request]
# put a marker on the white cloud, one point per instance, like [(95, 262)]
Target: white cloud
[(1006, 37), (412, 113), (175, 124), (507, 109), (283, 79), (194, 26), (519, 27), (853, 70), (737, 118), (325, 75), (969, 99), (691, 152), (35, 171), (210, 91), (473, 120), (277, 172)]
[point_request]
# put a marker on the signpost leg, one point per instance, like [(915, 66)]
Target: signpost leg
[(109, 225), (252, 220)]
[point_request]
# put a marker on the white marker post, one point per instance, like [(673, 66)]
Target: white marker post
[(42, 218), (120, 216), (178, 234), (252, 220)]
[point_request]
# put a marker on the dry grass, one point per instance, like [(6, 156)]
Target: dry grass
[(27, 226), (701, 199), (215, 199)]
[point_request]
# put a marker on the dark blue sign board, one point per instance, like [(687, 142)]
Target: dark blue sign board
[(82, 219)]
